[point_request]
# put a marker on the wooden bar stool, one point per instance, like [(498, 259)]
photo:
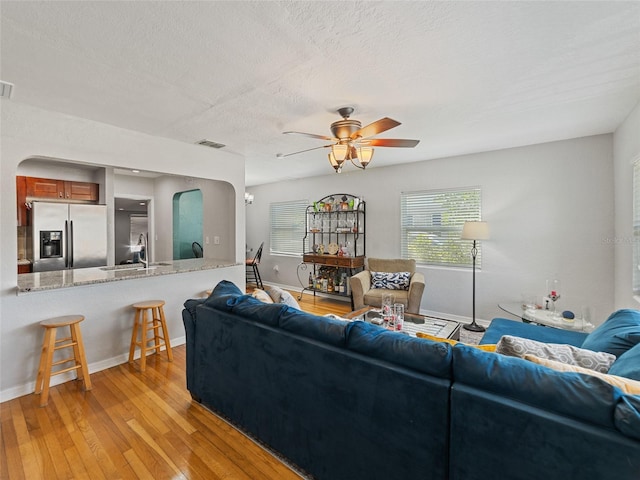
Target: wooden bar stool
[(50, 344), (142, 324)]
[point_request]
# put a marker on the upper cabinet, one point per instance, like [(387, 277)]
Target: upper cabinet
[(61, 189), (34, 188)]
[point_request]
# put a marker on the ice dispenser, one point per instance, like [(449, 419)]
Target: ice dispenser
[(50, 243)]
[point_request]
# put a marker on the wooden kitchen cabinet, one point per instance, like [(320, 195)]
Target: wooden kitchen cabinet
[(61, 189), (81, 191), (21, 190)]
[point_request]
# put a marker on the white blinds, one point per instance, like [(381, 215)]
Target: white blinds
[(287, 227), (431, 224)]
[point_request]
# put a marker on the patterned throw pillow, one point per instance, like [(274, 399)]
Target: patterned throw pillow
[(567, 354), (390, 281)]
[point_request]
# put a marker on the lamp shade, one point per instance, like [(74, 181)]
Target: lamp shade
[(475, 231), (340, 152)]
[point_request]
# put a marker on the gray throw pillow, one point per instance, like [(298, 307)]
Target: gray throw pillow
[(567, 354), (282, 296)]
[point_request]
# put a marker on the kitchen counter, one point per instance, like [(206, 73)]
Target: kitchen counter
[(34, 282)]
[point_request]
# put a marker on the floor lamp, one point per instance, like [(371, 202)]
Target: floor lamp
[(474, 231)]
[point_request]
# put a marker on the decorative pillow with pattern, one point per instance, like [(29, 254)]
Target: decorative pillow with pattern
[(567, 354), (390, 281)]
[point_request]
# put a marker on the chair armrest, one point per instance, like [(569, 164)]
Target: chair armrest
[(360, 284), (416, 288)]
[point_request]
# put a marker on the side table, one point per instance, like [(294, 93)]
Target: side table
[(546, 317)]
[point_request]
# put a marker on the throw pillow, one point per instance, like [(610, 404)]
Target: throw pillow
[(519, 347), (628, 364), (486, 347), (262, 296), (391, 281), (619, 333), (631, 387), (279, 295)]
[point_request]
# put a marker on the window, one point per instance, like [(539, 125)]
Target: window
[(636, 228), (431, 224), (287, 227)]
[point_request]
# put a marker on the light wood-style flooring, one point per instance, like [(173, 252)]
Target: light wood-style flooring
[(134, 425)]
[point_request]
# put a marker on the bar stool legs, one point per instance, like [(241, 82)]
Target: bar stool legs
[(49, 346), (142, 323)]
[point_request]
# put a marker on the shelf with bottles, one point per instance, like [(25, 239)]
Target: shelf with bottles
[(325, 279)]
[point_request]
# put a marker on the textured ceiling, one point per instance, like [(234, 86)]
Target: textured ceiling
[(461, 76)]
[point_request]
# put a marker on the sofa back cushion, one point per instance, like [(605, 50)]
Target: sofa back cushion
[(628, 364), (323, 329), (433, 358), (619, 333), (223, 295), (571, 394)]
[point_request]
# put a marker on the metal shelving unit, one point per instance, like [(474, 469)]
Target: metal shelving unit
[(334, 244)]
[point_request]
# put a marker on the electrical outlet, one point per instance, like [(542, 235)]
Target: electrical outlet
[(216, 240), (206, 240)]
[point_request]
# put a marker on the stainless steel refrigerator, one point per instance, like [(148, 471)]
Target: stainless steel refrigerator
[(68, 235)]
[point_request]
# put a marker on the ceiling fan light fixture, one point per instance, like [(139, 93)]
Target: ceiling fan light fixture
[(365, 155), (340, 152), (335, 163)]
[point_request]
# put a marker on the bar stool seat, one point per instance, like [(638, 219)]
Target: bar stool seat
[(142, 323), (49, 346)]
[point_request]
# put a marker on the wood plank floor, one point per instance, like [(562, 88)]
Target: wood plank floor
[(134, 425)]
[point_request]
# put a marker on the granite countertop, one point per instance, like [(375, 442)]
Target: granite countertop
[(33, 282)]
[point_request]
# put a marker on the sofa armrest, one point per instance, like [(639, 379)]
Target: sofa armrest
[(416, 288), (360, 284)]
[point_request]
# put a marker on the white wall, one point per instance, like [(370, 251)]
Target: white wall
[(29, 132), (626, 150), (550, 209)]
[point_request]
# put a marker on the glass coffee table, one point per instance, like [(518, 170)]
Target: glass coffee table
[(437, 327)]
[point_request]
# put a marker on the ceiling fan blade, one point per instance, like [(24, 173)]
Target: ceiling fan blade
[(375, 128), (390, 142), (313, 135), (283, 155)]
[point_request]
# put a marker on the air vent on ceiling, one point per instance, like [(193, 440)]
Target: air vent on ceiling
[(209, 143), (5, 89)]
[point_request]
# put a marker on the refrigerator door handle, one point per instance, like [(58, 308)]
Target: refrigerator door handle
[(66, 244), (70, 244)]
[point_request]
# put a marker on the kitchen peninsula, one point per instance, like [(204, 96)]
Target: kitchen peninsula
[(33, 282)]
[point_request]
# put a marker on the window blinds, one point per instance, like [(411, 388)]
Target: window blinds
[(431, 225), (287, 227)]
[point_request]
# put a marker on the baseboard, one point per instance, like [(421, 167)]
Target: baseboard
[(28, 388)]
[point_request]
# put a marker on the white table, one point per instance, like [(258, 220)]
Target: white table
[(546, 317)]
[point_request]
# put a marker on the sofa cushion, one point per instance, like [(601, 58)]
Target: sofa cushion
[(568, 354), (486, 347), (571, 394), (626, 385), (253, 309), (395, 347), (279, 295), (628, 364), (223, 296), (261, 295), (323, 329), (619, 333), (516, 328), (627, 416), (390, 280)]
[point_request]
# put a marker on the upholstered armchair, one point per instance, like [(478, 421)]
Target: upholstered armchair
[(407, 291)]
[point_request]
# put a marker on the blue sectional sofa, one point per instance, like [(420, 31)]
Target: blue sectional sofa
[(350, 400)]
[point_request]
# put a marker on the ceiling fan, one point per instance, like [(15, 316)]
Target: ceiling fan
[(353, 142)]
